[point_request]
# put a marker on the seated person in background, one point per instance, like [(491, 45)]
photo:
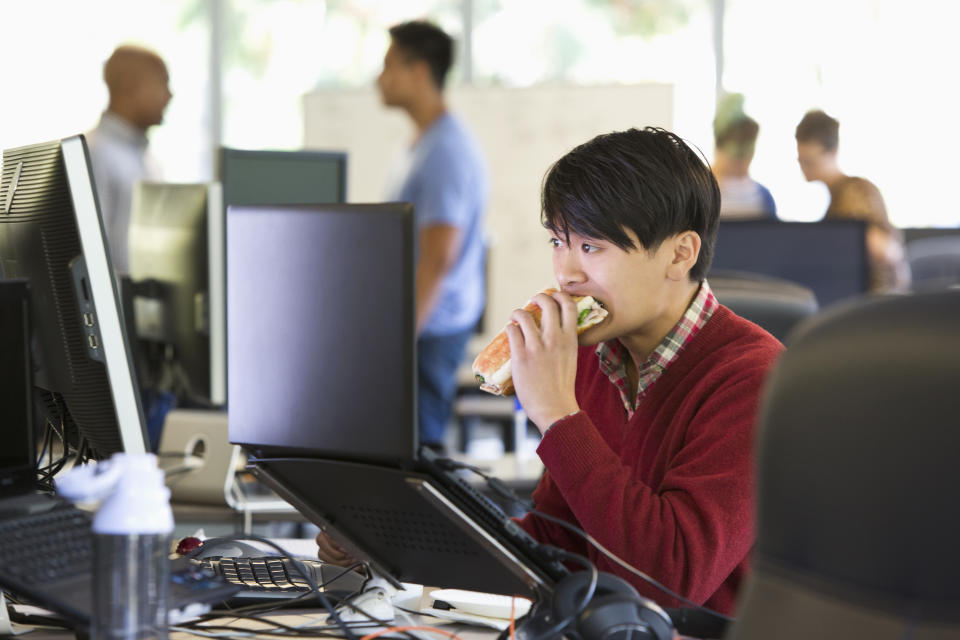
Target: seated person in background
[(647, 418), (852, 199), (735, 138)]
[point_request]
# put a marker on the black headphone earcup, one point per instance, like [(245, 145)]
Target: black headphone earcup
[(615, 611), (569, 592)]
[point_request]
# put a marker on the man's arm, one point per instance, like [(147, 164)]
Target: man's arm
[(439, 246), (691, 530)]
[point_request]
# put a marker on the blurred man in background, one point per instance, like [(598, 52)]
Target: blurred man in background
[(443, 174), (138, 85), (852, 198)]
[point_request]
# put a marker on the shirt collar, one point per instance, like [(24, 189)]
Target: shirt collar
[(117, 127), (612, 354)]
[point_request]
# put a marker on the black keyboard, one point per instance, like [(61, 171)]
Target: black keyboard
[(275, 576), (46, 557), (48, 545)]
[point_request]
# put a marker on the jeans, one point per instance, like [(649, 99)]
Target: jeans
[(437, 360)]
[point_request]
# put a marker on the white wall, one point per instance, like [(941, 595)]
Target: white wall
[(522, 131)]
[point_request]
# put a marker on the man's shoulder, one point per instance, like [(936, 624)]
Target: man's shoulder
[(733, 338), (453, 138)]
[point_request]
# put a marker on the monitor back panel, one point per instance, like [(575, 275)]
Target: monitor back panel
[(282, 177), (829, 257)]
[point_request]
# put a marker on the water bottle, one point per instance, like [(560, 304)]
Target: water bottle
[(132, 530)]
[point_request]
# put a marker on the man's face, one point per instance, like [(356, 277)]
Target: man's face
[(153, 95), (631, 285), (396, 81), (813, 159)]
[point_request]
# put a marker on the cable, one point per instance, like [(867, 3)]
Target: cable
[(556, 629), (504, 491), (342, 625), (377, 634), (296, 563)]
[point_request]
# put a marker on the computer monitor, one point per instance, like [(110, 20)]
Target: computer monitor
[(304, 176), (51, 234), (18, 463), (177, 289), (829, 257), (320, 305)]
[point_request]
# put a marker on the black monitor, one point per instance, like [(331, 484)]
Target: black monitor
[(251, 176), (177, 280), (18, 464), (829, 257), (321, 330), (51, 235)]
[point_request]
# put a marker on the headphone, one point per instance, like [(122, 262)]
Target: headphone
[(615, 612)]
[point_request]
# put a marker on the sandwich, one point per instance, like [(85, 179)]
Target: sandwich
[(492, 365)]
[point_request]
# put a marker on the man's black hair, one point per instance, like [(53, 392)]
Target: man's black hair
[(421, 40), (817, 126), (649, 181)]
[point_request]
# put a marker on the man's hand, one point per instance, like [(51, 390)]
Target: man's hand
[(330, 551), (544, 359)]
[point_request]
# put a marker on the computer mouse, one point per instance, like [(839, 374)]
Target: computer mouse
[(231, 549)]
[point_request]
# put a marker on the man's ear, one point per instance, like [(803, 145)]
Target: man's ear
[(685, 251), (422, 71)]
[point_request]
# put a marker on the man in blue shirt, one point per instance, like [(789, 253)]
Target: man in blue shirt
[(443, 174)]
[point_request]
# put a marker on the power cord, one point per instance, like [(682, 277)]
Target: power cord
[(501, 489), (300, 568)]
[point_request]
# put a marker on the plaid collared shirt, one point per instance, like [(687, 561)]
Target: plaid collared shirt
[(613, 354)]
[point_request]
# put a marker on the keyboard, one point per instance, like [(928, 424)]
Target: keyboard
[(276, 577), (50, 544)]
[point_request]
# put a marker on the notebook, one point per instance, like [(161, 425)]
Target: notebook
[(46, 543), (202, 464)]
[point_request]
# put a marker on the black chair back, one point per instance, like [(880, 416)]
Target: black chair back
[(858, 473)]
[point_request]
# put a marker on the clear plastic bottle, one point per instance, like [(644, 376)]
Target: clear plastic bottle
[(132, 530)]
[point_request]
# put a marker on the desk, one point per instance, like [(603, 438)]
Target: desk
[(301, 619)]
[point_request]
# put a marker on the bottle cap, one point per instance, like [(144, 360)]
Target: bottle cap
[(139, 501)]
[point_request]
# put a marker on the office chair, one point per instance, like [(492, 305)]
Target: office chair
[(858, 471), (775, 304)]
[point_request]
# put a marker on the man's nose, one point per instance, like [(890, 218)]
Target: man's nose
[(567, 268)]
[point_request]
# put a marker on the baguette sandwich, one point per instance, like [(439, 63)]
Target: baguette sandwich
[(492, 365)]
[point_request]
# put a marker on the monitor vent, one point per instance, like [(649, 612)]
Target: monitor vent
[(409, 530)]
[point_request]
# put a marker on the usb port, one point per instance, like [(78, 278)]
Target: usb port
[(88, 319), (94, 343)]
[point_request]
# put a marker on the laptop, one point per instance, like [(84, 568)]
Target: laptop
[(46, 543), (20, 501), (322, 383), (202, 465)]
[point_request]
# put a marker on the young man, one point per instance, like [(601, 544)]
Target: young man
[(138, 84), (444, 176), (648, 417), (851, 198)]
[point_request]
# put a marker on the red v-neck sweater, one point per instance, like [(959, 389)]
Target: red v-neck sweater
[(670, 491)]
